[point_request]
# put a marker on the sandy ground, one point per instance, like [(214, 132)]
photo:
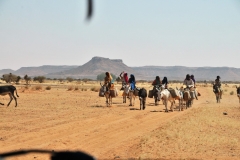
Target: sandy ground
[(58, 119)]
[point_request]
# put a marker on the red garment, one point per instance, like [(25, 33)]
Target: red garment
[(125, 77)]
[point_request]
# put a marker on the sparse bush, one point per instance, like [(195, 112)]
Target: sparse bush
[(40, 79), (37, 87), (225, 90), (95, 89), (76, 88), (69, 79), (48, 88), (231, 93), (70, 88)]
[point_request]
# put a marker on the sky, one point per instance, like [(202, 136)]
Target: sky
[(192, 33)]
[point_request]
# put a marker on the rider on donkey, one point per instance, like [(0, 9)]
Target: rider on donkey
[(124, 77), (107, 80), (189, 84), (157, 82)]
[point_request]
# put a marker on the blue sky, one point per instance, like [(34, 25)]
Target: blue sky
[(193, 33)]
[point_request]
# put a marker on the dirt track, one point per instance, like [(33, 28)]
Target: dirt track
[(58, 119)]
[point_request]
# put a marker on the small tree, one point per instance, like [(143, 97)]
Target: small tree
[(27, 79), (69, 79), (40, 79), (8, 78)]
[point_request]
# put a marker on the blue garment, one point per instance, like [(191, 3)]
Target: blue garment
[(132, 82)]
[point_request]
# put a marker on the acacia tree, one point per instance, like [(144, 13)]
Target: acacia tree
[(27, 79), (40, 79), (8, 78)]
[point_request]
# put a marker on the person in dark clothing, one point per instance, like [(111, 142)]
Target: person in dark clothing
[(157, 81), (165, 82), (192, 77), (132, 82), (219, 84)]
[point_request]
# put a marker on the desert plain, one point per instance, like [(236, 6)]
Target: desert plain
[(72, 117)]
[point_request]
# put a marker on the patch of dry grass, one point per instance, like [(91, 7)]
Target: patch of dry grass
[(203, 132), (37, 87)]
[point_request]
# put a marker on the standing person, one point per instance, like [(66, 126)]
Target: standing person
[(107, 80), (219, 84), (132, 82), (165, 82), (124, 77)]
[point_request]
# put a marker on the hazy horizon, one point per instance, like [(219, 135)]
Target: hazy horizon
[(141, 33)]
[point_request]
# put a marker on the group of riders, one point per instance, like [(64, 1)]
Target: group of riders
[(189, 82)]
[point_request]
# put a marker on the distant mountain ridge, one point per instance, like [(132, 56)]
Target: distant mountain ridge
[(98, 65)]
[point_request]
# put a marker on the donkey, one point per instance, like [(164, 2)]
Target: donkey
[(187, 97), (156, 93), (126, 89), (9, 90), (142, 94), (217, 92), (107, 95)]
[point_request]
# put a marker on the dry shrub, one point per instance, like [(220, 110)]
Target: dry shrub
[(48, 88), (231, 93), (37, 87), (76, 88), (70, 88), (83, 89), (95, 89)]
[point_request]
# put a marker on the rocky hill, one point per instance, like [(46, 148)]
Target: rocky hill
[(98, 65), (94, 67)]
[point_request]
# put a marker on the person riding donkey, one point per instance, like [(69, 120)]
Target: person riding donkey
[(157, 83), (165, 82), (107, 81), (189, 84), (124, 77), (195, 90), (132, 82)]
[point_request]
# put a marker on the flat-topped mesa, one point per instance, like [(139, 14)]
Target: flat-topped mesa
[(94, 59), (117, 60)]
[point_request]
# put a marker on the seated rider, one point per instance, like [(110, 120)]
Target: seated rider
[(165, 82), (107, 80), (188, 81), (189, 84), (132, 82), (124, 78), (157, 81), (218, 84), (192, 77)]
